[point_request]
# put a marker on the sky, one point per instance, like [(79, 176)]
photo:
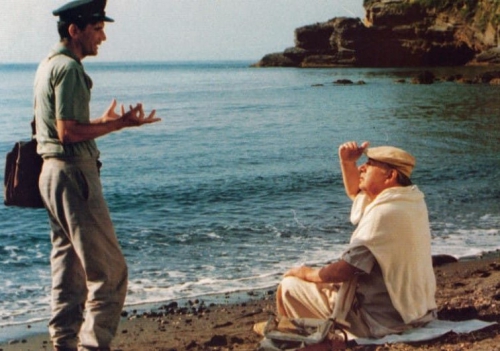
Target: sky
[(172, 30)]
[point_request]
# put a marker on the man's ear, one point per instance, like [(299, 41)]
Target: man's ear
[(73, 30), (393, 176)]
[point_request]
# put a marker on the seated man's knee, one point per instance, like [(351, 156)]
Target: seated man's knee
[(289, 284)]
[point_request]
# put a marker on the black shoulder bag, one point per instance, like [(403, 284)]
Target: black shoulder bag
[(22, 170)]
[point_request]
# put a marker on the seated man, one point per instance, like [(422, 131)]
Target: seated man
[(389, 252)]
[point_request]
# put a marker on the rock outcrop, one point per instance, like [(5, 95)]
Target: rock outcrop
[(399, 33)]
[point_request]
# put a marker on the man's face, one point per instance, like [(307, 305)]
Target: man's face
[(90, 38), (374, 177)]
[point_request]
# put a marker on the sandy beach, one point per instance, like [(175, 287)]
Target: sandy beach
[(467, 289)]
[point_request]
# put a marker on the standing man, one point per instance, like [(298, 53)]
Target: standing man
[(89, 273), (389, 253)]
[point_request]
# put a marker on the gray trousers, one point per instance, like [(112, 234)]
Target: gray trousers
[(89, 273)]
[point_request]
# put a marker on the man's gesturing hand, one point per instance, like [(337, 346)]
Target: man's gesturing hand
[(136, 116)]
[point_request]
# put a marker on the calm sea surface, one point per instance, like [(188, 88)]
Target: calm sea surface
[(241, 179)]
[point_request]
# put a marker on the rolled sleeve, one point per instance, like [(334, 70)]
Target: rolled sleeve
[(359, 257)]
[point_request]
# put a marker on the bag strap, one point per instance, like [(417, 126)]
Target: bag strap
[(33, 121), (345, 298), (33, 128)]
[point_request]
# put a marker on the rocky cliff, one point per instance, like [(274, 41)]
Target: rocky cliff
[(400, 33)]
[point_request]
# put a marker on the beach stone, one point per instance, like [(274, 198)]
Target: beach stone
[(217, 340), (439, 260), (171, 305), (237, 340), (183, 310), (191, 345)]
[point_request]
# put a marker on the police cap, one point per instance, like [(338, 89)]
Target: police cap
[(85, 11)]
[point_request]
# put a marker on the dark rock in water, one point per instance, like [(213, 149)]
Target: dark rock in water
[(425, 77), (453, 78), (487, 77), (439, 260), (276, 60), (343, 81), (399, 33)]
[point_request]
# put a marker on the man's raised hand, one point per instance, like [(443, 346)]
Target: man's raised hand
[(135, 116), (350, 151)]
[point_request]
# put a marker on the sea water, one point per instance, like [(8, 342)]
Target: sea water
[(241, 179)]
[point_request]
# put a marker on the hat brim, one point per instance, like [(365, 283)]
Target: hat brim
[(107, 19)]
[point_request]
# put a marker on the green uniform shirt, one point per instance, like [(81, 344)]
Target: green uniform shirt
[(62, 92)]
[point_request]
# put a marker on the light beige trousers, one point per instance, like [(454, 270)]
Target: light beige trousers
[(297, 298), (89, 273)]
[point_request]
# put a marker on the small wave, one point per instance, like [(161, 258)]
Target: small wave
[(213, 235)]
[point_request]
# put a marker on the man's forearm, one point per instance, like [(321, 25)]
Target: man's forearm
[(336, 272), (305, 273), (350, 177), (74, 132)]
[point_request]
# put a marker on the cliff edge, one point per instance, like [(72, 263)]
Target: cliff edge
[(399, 33)]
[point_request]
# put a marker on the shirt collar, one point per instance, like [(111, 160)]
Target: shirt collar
[(61, 49)]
